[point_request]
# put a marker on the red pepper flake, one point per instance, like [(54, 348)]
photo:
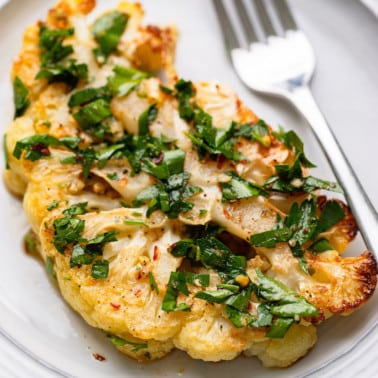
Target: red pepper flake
[(226, 214), (116, 306), (137, 292), (42, 148), (98, 357), (156, 251), (306, 231)]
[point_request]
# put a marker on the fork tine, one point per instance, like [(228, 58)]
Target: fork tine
[(264, 18), (285, 15), (228, 31), (248, 29)]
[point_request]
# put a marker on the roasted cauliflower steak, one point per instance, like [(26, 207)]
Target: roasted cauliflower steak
[(169, 214)]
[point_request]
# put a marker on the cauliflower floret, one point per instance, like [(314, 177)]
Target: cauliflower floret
[(284, 352)]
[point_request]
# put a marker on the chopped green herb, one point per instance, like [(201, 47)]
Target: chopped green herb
[(76, 209), (49, 266), (100, 269), (53, 205), (269, 239), (135, 222), (185, 92), (118, 342), (30, 244), (36, 146), (87, 95), (106, 153), (279, 328), (291, 140), (107, 31), (148, 116), (69, 73), (51, 44), (124, 80), (176, 284), (153, 283), (202, 212), (54, 66), (166, 90), (85, 157), (259, 132), (67, 230), (93, 113), (113, 176), (330, 215), (20, 97), (238, 188), (320, 245), (80, 256), (169, 196), (169, 163)]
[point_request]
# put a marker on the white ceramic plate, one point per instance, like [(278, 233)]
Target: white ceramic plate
[(41, 337)]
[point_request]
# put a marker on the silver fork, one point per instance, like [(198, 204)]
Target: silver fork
[(282, 66)]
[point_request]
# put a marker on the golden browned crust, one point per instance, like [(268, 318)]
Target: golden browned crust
[(344, 284)]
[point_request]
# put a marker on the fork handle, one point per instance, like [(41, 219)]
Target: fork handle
[(362, 209)]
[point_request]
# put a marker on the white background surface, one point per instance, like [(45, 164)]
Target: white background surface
[(344, 36)]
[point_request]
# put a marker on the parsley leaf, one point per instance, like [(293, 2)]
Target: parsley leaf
[(169, 196), (300, 226), (124, 80), (238, 188), (20, 97), (107, 31), (289, 179), (51, 44), (184, 92), (100, 269), (177, 283), (84, 157), (148, 116), (118, 342), (67, 230), (54, 66), (215, 141), (153, 283), (291, 140), (330, 215), (87, 95), (93, 113), (258, 132), (69, 74), (36, 146)]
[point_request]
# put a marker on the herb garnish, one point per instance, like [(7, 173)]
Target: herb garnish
[(148, 116), (107, 31), (279, 307), (177, 283), (290, 179), (68, 231), (300, 226), (124, 80), (169, 196), (20, 97), (153, 283), (238, 188), (36, 146), (54, 66), (118, 342)]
